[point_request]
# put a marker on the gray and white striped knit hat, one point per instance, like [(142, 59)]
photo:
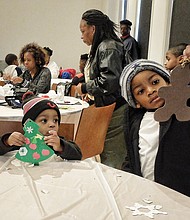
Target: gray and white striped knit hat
[(132, 69)]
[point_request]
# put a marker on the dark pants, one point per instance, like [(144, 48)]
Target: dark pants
[(114, 152)]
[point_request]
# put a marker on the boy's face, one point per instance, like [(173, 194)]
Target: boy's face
[(47, 120), (171, 61), (145, 86)]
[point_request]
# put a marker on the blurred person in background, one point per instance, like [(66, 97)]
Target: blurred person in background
[(51, 65)]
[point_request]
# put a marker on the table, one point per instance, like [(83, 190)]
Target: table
[(70, 113), (80, 190)]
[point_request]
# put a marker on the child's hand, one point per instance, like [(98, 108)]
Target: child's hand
[(16, 79), (16, 138), (53, 140), (6, 76)]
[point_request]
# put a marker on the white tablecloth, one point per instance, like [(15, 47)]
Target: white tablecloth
[(80, 190), (9, 114)]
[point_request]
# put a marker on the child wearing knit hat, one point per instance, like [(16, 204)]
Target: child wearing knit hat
[(158, 151), (46, 114)]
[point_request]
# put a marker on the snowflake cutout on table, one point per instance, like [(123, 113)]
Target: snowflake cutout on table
[(151, 210), (34, 150)]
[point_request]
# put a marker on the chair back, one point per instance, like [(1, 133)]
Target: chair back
[(92, 129), (10, 126), (73, 91), (66, 131)]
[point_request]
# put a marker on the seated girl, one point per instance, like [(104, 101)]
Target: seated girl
[(36, 78)]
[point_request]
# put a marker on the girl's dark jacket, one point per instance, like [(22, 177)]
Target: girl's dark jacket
[(172, 164), (40, 83)]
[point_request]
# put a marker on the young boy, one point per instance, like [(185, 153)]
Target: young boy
[(47, 115), (156, 151), (12, 69), (174, 56), (79, 77)]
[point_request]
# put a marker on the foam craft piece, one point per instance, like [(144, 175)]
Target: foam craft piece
[(176, 96), (34, 150)]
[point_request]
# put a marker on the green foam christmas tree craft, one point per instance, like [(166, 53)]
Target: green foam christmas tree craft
[(34, 150)]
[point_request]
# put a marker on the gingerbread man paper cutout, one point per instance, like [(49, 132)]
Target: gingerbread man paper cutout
[(176, 96), (34, 150)]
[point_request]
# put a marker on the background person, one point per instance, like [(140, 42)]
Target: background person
[(51, 65), (174, 56), (13, 68), (79, 77), (131, 47), (36, 78), (186, 55)]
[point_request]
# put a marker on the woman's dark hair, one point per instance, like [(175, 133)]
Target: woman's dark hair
[(37, 53), (105, 28), (49, 51)]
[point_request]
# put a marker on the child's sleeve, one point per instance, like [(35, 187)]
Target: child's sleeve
[(3, 147), (70, 150)]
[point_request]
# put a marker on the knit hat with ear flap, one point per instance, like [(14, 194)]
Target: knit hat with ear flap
[(132, 69), (35, 106)]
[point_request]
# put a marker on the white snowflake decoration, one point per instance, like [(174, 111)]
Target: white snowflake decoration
[(29, 130), (151, 210), (23, 151)]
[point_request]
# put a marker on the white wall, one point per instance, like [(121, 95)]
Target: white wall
[(161, 15), (160, 29), (53, 23)]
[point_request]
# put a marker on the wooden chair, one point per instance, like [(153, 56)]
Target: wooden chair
[(92, 129), (10, 126), (66, 131), (73, 91)]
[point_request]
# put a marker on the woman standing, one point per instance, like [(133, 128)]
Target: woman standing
[(102, 73)]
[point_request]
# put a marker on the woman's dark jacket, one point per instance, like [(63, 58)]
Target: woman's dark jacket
[(172, 164), (105, 72)]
